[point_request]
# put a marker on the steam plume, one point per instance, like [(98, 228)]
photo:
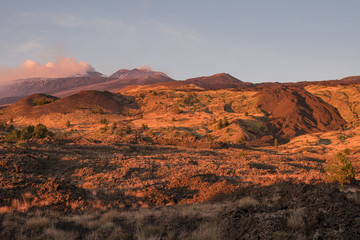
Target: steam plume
[(62, 67)]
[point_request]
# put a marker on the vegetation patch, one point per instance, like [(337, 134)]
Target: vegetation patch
[(38, 131)]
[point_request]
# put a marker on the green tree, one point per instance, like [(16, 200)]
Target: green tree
[(340, 169)]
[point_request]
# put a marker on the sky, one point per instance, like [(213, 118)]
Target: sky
[(253, 40)]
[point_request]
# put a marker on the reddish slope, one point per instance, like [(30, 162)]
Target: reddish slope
[(294, 111), (217, 81), (92, 100)]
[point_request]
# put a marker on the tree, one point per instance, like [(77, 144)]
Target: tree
[(340, 169), (68, 123)]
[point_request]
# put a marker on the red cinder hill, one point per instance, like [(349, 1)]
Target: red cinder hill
[(218, 81), (40, 104), (292, 111)]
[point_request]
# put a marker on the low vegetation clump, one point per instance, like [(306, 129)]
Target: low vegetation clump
[(101, 111), (103, 121), (6, 127), (223, 123), (38, 131), (42, 101), (144, 127), (340, 169)]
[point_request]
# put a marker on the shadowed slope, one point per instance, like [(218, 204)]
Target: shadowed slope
[(92, 100)]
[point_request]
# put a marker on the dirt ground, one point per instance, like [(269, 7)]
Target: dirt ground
[(70, 188)]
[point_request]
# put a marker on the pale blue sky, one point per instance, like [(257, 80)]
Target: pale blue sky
[(253, 40)]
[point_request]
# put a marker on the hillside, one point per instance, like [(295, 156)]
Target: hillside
[(38, 105), (292, 111), (218, 81)]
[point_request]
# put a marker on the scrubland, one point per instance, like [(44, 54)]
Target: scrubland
[(175, 164)]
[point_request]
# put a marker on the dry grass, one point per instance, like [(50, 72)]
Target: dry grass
[(56, 234), (207, 231), (296, 220), (247, 202), (37, 223)]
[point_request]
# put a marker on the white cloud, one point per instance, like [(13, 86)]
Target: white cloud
[(62, 67)]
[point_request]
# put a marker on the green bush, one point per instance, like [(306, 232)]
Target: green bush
[(340, 169), (42, 101), (39, 131)]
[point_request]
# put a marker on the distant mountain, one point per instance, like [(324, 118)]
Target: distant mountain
[(92, 81), (114, 85), (135, 74), (218, 81), (22, 88)]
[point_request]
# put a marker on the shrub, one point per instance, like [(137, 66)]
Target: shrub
[(347, 151), (296, 219), (42, 101), (223, 123), (241, 154), (340, 169), (39, 131), (226, 122), (144, 127), (101, 111), (68, 124), (103, 121), (104, 129), (220, 124), (114, 125), (6, 127), (177, 110), (128, 129)]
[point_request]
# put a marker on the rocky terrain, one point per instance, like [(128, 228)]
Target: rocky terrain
[(207, 158)]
